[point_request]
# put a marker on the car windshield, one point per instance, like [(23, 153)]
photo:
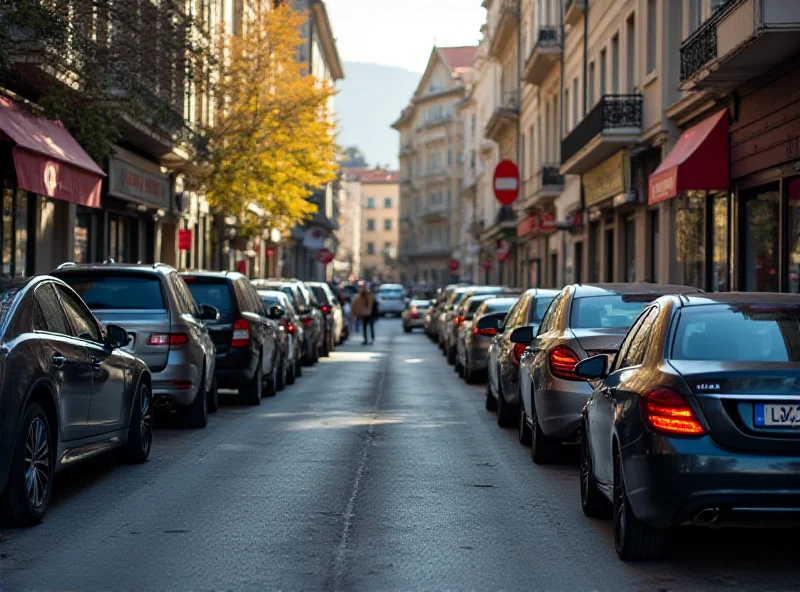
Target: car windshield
[(738, 334), (211, 291), (118, 291), (540, 308), (271, 301), (391, 294), (320, 294), (607, 312), (421, 303)]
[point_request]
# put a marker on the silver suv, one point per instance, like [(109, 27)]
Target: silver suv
[(166, 327)]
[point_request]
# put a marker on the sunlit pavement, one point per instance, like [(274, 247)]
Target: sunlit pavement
[(379, 469)]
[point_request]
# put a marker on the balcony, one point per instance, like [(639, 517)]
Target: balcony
[(433, 212), (546, 54), (504, 29), (613, 123), (435, 176), (573, 11), (743, 38), (505, 116), (407, 149), (435, 122), (542, 188), (504, 224), (434, 250)]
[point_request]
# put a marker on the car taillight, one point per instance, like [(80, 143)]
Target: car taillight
[(562, 363), (519, 349), (458, 320), (291, 329), (326, 309), (307, 322), (172, 339), (414, 312), (667, 412), (487, 332), (241, 333)]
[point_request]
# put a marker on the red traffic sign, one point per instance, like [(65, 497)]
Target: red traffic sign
[(486, 264), (506, 182), (324, 256), (547, 223), (454, 265)]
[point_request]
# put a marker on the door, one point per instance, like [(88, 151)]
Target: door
[(760, 252), (68, 360), (107, 366)]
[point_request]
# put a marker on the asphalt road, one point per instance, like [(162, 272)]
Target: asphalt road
[(378, 470)]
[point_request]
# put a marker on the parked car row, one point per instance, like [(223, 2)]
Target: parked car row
[(91, 353), (685, 404)]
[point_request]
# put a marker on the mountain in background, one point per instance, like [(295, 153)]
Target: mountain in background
[(370, 99)]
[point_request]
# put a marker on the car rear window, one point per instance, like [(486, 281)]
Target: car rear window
[(212, 291), (607, 312), (118, 291), (503, 305), (738, 334), (421, 303), (391, 294), (320, 294), (539, 308)]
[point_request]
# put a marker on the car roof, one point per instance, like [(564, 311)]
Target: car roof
[(744, 298), (274, 293), (232, 275), (64, 268), (543, 292), (582, 290)]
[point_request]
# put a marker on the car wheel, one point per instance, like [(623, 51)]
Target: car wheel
[(213, 397), (543, 450), (459, 367), (523, 430), (251, 393), (280, 383), (30, 480), (470, 376), (140, 430), (491, 401), (506, 414), (633, 540), (298, 370), (451, 355), (325, 347), (271, 382), (593, 503), (406, 329), (290, 376), (196, 414)]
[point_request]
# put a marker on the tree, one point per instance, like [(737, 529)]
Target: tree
[(355, 158), (273, 139)]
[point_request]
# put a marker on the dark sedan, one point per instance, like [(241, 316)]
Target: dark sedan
[(472, 355), (697, 420), (67, 393)]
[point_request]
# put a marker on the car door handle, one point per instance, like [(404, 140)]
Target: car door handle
[(58, 360), (96, 363)]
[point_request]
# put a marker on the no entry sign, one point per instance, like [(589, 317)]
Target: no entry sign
[(506, 182), (454, 265), (324, 256)]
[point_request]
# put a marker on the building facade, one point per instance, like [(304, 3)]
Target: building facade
[(380, 230)]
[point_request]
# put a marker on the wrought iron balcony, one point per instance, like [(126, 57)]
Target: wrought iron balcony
[(739, 42), (613, 123), (507, 23), (545, 54), (504, 116), (574, 10)]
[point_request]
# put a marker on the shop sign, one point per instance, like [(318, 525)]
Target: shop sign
[(547, 223), (184, 240), (528, 226), (608, 179), (129, 182)]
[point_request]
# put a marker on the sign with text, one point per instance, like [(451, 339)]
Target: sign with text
[(131, 183), (185, 240), (608, 179)]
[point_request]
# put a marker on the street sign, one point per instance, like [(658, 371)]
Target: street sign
[(506, 182), (486, 264), (454, 265), (324, 256), (547, 223)]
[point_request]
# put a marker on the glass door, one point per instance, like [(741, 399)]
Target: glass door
[(761, 216), (793, 193)]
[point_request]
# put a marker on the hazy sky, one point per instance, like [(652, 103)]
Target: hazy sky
[(402, 32)]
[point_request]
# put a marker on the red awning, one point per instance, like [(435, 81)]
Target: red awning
[(699, 161), (47, 158)]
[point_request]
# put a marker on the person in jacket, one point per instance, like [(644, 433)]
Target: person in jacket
[(363, 307)]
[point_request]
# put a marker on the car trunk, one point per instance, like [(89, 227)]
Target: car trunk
[(600, 341), (216, 292), (140, 325), (738, 399)]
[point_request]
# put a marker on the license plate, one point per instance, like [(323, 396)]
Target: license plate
[(778, 415)]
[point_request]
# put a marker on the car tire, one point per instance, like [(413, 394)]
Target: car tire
[(213, 396), (270, 388), (406, 329), (251, 393), (140, 429), (326, 351), (196, 414), (633, 540), (506, 414), (593, 503), (544, 451), (290, 375), (281, 378), (451, 355), (470, 376), (491, 401), (459, 367), (16, 506), (523, 429), (298, 370)]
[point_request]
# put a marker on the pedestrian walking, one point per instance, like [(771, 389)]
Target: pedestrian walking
[(363, 309)]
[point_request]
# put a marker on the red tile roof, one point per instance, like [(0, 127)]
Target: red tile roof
[(459, 58), (379, 176)]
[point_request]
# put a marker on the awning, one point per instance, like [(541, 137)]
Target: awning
[(699, 161), (47, 158)]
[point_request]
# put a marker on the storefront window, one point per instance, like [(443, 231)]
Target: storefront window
[(760, 256), (690, 221), (794, 234), (81, 254), (119, 237), (610, 255), (630, 249), (594, 272), (720, 266), (655, 234), (14, 232)]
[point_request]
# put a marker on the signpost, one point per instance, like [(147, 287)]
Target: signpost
[(454, 266), (486, 264), (506, 182), (324, 256)]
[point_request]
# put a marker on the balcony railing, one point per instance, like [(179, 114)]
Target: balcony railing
[(612, 112), (545, 54), (701, 47), (504, 116)]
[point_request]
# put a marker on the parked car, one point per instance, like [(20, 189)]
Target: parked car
[(473, 354), (310, 316), (695, 420), (291, 328), (166, 327), (502, 390), (332, 312), (391, 300), (430, 319), (450, 327), (414, 315), (582, 321), (68, 392), (463, 322), (246, 334), (443, 306)]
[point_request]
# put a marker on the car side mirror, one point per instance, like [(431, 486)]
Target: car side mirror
[(208, 313), (522, 335), (275, 313), (116, 337), (593, 368)]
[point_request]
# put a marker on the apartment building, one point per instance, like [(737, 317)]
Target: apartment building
[(431, 167), (347, 264), (380, 225)]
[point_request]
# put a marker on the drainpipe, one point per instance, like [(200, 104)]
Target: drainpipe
[(585, 56), (519, 119)]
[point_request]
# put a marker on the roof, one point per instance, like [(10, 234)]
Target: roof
[(106, 267), (633, 288), (745, 298), (459, 58), (379, 176)]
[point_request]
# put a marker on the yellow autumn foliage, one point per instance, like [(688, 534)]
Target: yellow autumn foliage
[(273, 140)]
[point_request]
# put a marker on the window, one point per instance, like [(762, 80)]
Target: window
[(590, 89), (118, 291), (83, 324), (185, 298), (387, 224), (574, 102), (615, 65), (450, 157), (474, 122), (695, 15), (370, 203), (387, 247), (630, 39), (370, 224), (549, 317), (48, 314), (690, 224), (540, 307), (370, 248), (603, 70), (566, 111), (630, 249), (605, 312), (81, 236), (387, 203), (217, 293), (14, 232), (652, 34)]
